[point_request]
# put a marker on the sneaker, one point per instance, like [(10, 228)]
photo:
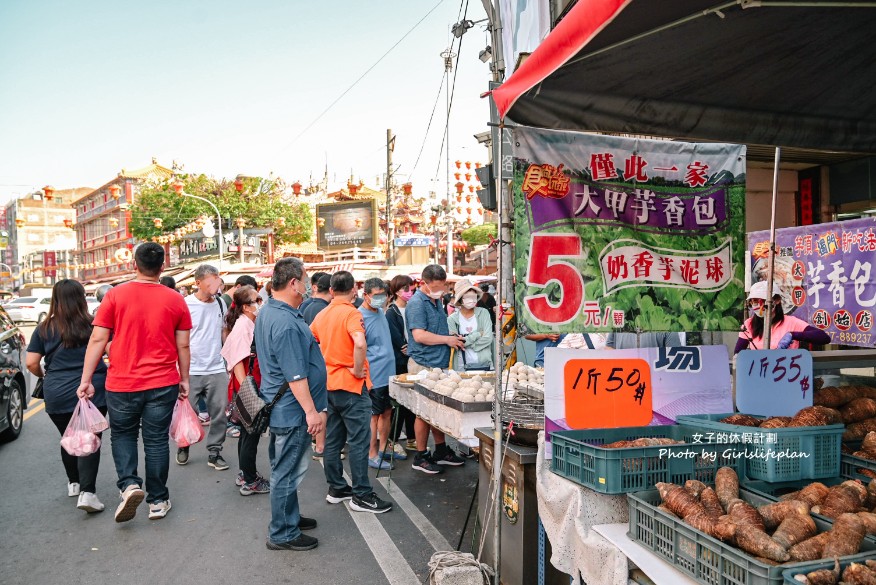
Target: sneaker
[(449, 458), (411, 445), (317, 455), (216, 462), (426, 465), (204, 418), (303, 542), (259, 486), (305, 523), (182, 455), (239, 480), (233, 432), (378, 463), (73, 489), (370, 503), (131, 498), (337, 496), (89, 502), (158, 510)]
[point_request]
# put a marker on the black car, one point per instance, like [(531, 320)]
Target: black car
[(13, 385)]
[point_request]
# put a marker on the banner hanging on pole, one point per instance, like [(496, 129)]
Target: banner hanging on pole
[(825, 275), (623, 233)]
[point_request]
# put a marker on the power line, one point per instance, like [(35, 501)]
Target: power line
[(361, 77), (452, 92), (429, 125)]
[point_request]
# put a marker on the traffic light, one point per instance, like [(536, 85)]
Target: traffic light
[(487, 195)]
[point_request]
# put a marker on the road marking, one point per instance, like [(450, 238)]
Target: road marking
[(388, 557), (32, 410), (435, 538)]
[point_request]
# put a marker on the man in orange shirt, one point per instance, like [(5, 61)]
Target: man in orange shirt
[(340, 331)]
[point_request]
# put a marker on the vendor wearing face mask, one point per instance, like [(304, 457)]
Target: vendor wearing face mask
[(473, 323), (786, 331)]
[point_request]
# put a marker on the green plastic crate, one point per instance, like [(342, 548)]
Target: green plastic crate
[(789, 574), (821, 444), (578, 456), (851, 467), (708, 560)]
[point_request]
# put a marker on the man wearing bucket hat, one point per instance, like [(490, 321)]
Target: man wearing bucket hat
[(473, 323), (786, 331)]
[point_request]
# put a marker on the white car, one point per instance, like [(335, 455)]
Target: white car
[(93, 304), (24, 309)]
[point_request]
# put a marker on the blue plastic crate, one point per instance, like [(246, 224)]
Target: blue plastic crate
[(580, 457), (706, 559), (789, 574), (820, 444), (853, 467)]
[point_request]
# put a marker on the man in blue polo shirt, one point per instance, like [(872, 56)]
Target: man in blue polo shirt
[(288, 353), (429, 344)]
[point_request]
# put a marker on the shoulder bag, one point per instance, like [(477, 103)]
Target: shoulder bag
[(249, 408)]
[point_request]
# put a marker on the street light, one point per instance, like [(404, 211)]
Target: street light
[(461, 27), (178, 189), (486, 54)]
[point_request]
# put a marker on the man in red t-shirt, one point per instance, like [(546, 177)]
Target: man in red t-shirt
[(148, 372)]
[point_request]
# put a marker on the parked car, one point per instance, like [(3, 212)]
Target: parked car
[(93, 304), (28, 309), (13, 387)]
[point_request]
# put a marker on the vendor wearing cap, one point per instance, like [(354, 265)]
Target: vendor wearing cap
[(473, 323), (786, 331)]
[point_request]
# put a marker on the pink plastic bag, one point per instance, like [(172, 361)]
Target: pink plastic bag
[(80, 438), (185, 426)]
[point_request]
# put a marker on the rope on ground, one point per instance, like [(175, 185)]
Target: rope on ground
[(447, 559)]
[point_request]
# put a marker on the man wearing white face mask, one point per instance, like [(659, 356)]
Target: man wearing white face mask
[(473, 323), (381, 358)]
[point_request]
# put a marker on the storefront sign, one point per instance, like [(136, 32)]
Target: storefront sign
[(775, 382), (617, 233), (50, 264), (413, 241), (677, 381), (826, 276)]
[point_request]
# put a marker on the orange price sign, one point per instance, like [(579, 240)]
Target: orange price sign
[(604, 393)]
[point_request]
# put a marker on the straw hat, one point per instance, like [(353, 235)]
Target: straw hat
[(461, 287)]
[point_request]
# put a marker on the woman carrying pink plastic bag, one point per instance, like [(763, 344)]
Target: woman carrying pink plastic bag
[(62, 338), (82, 436)]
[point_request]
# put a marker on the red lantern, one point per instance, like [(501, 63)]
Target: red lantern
[(177, 187), (458, 164), (68, 223), (296, 188), (468, 164), (471, 189), (114, 223), (459, 187), (115, 191), (320, 222), (407, 188), (49, 191), (468, 210), (468, 175), (477, 165), (240, 222), (353, 188), (281, 221), (19, 222), (157, 222), (238, 184), (358, 222)]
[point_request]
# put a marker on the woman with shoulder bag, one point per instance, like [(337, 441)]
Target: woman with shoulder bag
[(401, 289), (62, 338), (474, 324), (240, 359)]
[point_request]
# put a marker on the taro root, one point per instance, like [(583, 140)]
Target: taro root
[(845, 537), (821, 576), (858, 409), (721, 528), (795, 529), (813, 494), (815, 416), (773, 514), (843, 498), (856, 574), (776, 422), (666, 509), (709, 500), (759, 544), (834, 397), (744, 513), (857, 431), (868, 519), (870, 502), (694, 487), (642, 442), (809, 550), (744, 420), (726, 486), (678, 500)]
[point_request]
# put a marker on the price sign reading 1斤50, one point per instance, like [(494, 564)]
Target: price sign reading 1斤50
[(603, 393)]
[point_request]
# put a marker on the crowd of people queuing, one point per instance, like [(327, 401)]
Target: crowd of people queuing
[(325, 352)]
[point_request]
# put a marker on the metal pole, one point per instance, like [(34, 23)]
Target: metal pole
[(450, 246), (497, 402), (389, 147), (240, 244), (219, 227), (768, 316)]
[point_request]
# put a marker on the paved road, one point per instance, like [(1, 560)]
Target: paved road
[(212, 534)]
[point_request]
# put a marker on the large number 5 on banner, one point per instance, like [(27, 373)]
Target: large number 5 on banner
[(544, 268)]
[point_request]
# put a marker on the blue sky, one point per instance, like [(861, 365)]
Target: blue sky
[(87, 88)]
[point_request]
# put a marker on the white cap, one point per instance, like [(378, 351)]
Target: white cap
[(759, 290)]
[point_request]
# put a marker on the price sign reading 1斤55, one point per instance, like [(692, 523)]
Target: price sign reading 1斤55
[(774, 382), (602, 393)]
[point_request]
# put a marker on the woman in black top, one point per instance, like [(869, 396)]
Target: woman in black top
[(400, 291), (62, 339)]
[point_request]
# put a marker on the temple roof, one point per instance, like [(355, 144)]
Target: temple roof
[(152, 171)]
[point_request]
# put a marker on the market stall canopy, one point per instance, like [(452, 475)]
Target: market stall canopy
[(791, 74)]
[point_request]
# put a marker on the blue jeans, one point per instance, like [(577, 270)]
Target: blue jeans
[(153, 410), (287, 451), (349, 421)]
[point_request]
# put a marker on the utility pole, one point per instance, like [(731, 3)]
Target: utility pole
[(390, 146)]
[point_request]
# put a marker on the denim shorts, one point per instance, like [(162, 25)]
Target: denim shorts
[(380, 401)]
